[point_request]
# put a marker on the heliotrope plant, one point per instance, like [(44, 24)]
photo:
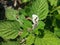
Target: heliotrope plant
[(37, 23)]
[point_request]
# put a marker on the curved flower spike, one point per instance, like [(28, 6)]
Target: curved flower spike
[(35, 20)]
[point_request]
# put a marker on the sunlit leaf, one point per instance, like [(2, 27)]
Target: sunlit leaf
[(9, 29), (40, 8), (41, 25), (11, 43), (48, 39), (38, 41), (11, 14), (30, 39), (57, 31), (53, 2), (24, 34)]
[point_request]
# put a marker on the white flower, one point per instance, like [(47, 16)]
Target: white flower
[(35, 20)]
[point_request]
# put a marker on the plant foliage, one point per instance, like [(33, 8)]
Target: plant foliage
[(18, 28)]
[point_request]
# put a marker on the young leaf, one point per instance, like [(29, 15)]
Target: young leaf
[(10, 43), (24, 34), (50, 39), (11, 14), (53, 2), (38, 41), (9, 29), (27, 24), (30, 39), (57, 31), (41, 25)]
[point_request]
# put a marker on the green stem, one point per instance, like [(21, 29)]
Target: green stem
[(55, 9)]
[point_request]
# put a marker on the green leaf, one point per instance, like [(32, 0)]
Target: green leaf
[(48, 39), (27, 24), (57, 31), (36, 31), (58, 16), (40, 8), (24, 1), (41, 25), (30, 39), (38, 41), (11, 14), (58, 9), (57, 23), (24, 34), (53, 2), (21, 19), (11, 43), (22, 12), (9, 29)]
